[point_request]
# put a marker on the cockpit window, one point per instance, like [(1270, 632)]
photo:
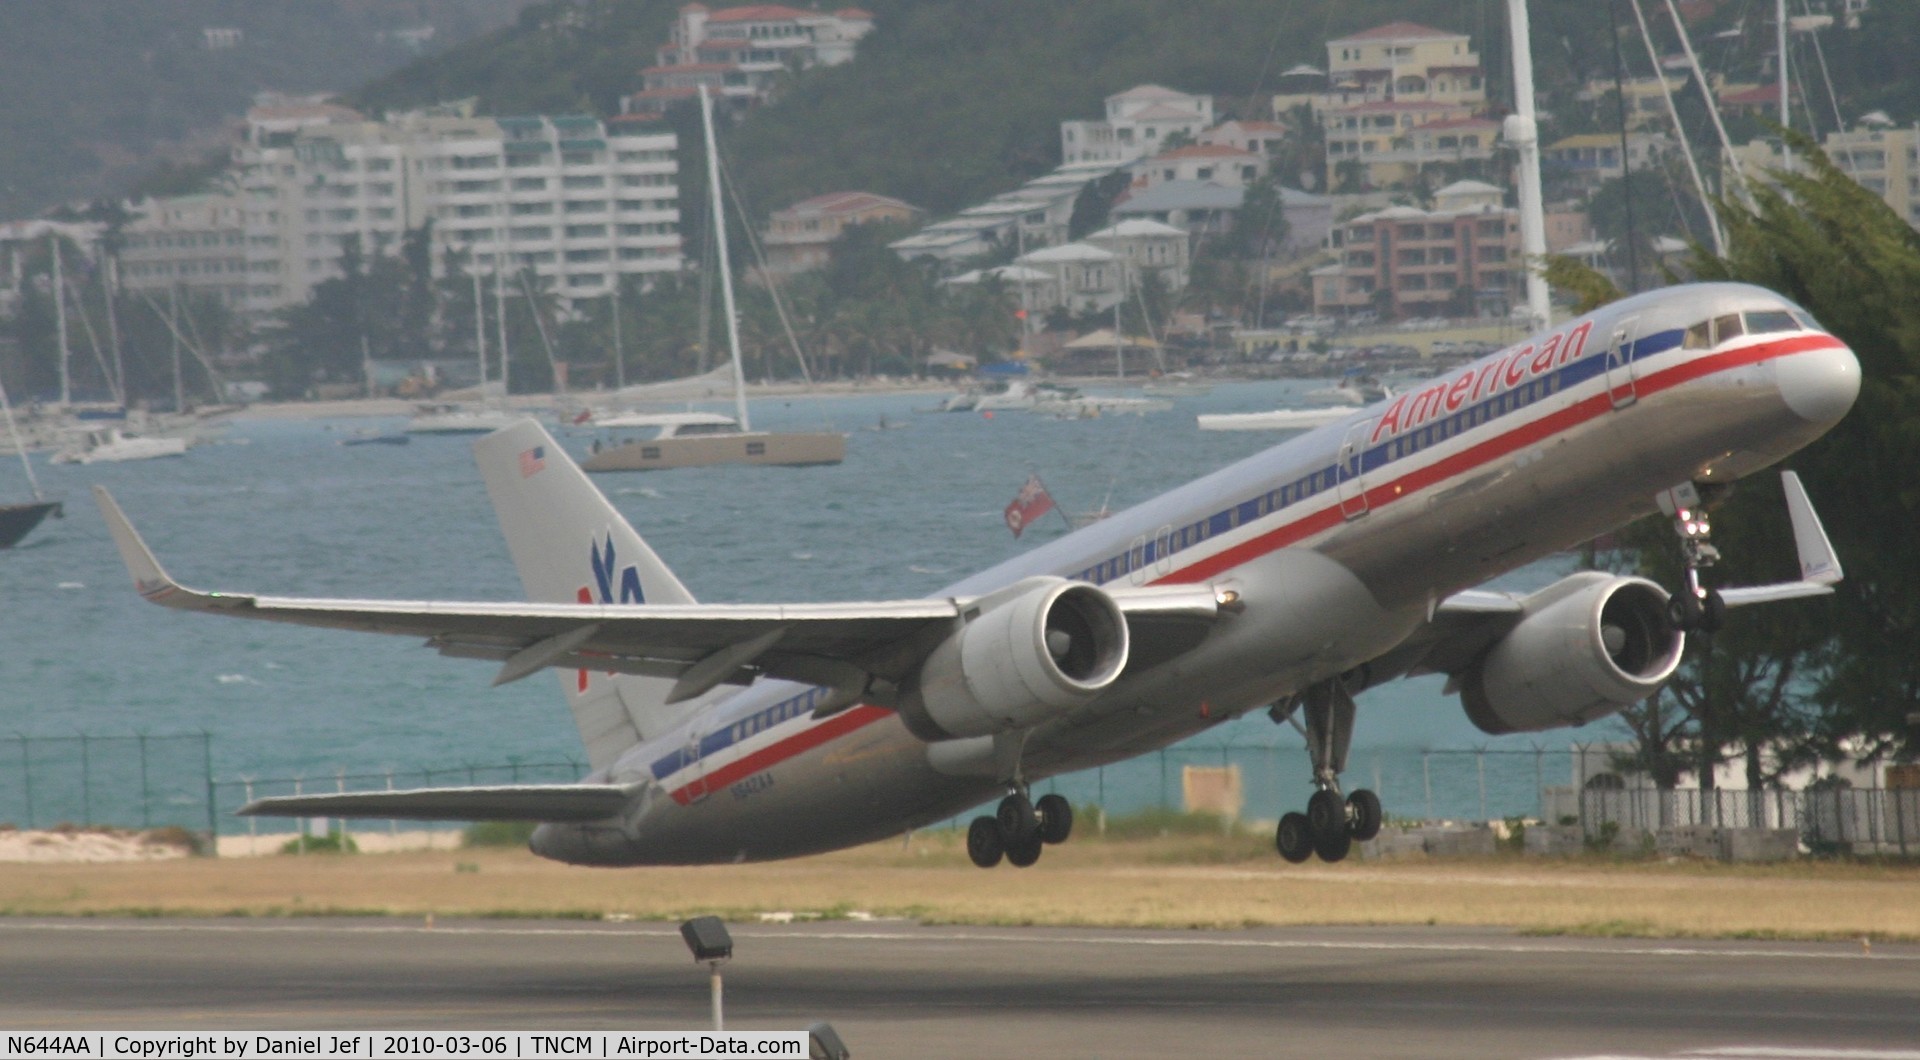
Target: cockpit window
[(1763, 321), (1699, 336), (1726, 327), (1806, 320)]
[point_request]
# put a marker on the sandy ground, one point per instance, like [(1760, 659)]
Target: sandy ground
[(111, 845)]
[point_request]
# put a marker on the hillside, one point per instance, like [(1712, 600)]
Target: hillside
[(949, 101), (100, 90)]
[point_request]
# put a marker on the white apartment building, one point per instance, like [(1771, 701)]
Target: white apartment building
[(1883, 157), (1138, 121), (556, 194), (195, 242), (743, 52), (1388, 83)]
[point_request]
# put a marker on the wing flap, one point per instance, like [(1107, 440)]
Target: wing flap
[(508, 802)]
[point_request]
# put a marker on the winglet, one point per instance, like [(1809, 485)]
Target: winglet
[(149, 577), (1818, 562)]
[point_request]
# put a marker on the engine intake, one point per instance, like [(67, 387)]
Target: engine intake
[(1036, 649), (1587, 646)]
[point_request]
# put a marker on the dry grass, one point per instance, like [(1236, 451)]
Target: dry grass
[(1168, 882)]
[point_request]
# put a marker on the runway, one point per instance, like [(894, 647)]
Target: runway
[(895, 989)]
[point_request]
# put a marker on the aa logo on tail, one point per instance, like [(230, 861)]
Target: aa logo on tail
[(604, 567)]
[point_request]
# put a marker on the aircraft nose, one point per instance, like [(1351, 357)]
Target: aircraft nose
[(1819, 385)]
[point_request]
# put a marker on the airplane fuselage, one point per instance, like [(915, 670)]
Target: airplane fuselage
[(1341, 542)]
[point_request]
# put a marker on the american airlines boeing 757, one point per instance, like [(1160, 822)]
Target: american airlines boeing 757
[(1286, 582)]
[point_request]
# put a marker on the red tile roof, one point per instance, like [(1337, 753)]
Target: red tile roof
[(1202, 151), (1397, 31), (758, 13), (837, 202)]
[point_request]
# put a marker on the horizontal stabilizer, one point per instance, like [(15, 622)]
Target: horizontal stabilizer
[(1820, 567), (508, 802)]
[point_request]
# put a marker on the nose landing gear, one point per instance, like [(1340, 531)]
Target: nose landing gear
[(1693, 608), (1332, 823)]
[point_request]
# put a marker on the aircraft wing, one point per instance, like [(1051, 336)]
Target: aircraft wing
[(507, 802), (700, 646)]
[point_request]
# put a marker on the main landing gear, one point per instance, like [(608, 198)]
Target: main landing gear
[(1331, 824), (1693, 608), (1019, 829)]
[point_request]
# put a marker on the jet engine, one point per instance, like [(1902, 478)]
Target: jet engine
[(1585, 647), (1036, 649)]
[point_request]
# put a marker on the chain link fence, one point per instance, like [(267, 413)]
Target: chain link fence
[(153, 781)]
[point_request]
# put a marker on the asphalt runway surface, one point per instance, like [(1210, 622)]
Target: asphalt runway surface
[(901, 990)]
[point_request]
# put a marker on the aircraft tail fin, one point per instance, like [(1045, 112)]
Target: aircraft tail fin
[(571, 545)]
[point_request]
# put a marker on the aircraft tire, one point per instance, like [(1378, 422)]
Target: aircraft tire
[(1056, 818), (1713, 612), (1327, 813), (985, 845), (1294, 838), (1024, 853), (1017, 819), (1333, 846), (1363, 815), (1685, 611)]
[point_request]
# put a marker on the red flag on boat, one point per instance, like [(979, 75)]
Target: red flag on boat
[(1032, 502)]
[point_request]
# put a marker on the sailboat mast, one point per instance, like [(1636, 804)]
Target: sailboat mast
[(60, 319), (726, 274), (1523, 131), (19, 446), (500, 304), (480, 328)]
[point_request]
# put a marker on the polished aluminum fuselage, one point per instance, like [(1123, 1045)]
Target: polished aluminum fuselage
[(1341, 542)]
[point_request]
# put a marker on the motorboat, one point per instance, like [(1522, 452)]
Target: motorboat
[(105, 445), (454, 418)]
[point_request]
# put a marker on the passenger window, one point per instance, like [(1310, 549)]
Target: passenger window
[(1726, 327), (1771, 320), (1699, 337)]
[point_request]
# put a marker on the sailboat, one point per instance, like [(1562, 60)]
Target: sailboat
[(711, 438), (18, 520)]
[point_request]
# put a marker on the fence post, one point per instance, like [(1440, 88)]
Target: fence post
[(1164, 804), (213, 807), (146, 812), (1900, 818), (1480, 757), (1100, 797), (305, 822), (86, 776), (393, 826), (26, 775), (1426, 775), (340, 785), (1540, 782), (253, 823)]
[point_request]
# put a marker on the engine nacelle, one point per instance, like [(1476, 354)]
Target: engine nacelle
[(1587, 646), (1036, 649)]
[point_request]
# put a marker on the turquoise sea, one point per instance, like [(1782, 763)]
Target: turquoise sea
[(279, 507)]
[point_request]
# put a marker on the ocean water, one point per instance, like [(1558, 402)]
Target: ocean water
[(279, 507)]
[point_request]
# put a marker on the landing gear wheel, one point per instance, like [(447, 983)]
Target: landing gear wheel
[(1713, 612), (985, 846), (1024, 853), (1056, 818), (1017, 820), (1294, 838), (1363, 815), (1685, 611), (1333, 846), (1326, 813)]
